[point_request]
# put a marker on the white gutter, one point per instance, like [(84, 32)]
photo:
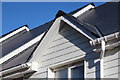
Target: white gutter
[(15, 32), (108, 47), (105, 38), (20, 49), (102, 41), (90, 6), (18, 75), (23, 66), (30, 67)]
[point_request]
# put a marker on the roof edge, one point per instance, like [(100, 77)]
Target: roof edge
[(12, 33)]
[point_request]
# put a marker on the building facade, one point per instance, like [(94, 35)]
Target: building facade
[(82, 44)]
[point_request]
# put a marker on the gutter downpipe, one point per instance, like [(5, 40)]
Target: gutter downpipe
[(101, 59)]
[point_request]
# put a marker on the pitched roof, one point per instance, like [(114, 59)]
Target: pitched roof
[(24, 46), (27, 28), (105, 17), (23, 38), (93, 16)]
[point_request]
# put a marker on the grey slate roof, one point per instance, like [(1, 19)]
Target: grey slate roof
[(21, 39), (105, 17), (21, 58)]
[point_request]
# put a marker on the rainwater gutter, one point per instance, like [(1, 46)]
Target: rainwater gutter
[(102, 41), (14, 72)]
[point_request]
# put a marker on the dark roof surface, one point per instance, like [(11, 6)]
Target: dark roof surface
[(21, 59), (22, 39), (13, 31), (18, 42), (105, 17)]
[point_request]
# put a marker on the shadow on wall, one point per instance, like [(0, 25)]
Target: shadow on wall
[(82, 43)]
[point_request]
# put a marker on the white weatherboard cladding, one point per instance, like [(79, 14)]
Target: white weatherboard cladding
[(54, 29), (64, 48), (111, 63)]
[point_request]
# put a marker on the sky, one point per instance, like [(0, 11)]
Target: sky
[(33, 14)]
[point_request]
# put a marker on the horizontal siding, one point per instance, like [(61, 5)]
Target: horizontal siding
[(60, 59), (66, 34), (113, 76), (95, 74), (64, 40), (111, 63), (66, 50), (111, 71), (111, 55), (44, 65), (68, 45)]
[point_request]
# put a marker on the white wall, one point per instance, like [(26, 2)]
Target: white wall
[(68, 44), (111, 63)]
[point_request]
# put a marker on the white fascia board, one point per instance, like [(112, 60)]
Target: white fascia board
[(90, 6), (82, 31), (20, 49), (14, 32)]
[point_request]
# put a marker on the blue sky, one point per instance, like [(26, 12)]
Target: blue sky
[(16, 14)]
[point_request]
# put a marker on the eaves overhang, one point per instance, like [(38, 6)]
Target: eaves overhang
[(77, 26)]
